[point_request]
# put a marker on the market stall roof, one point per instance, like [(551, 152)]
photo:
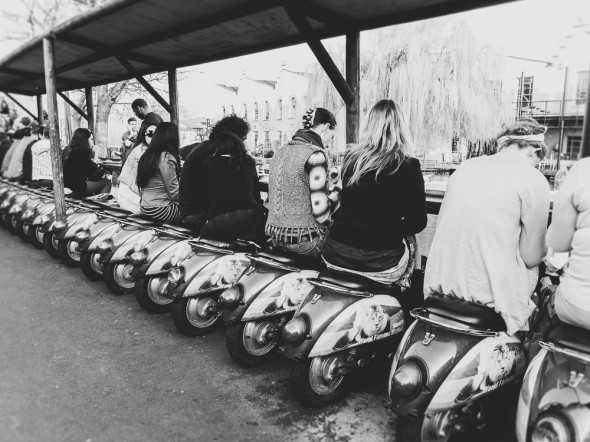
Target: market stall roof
[(154, 36)]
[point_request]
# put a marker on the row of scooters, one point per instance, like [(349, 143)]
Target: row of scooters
[(446, 365)]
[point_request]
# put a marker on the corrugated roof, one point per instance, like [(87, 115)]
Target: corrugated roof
[(155, 36)]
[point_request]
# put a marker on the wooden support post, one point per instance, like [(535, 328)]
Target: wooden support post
[(353, 53), (586, 129), (89, 108), (21, 106), (173, 93), (40, 109), (562, 119), (56, 164), (321, 54), (73, 105), (148, 87)]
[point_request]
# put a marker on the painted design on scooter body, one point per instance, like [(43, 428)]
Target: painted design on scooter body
[(222, 273)]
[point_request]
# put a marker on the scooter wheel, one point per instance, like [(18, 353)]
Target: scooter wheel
[(36, 236), (90, 265), (22, 230), (148, 294), (316, 382), (68, 252), (418, 430), (117, 277), (11, 224), (51, 243), (192, 317), (244, 347)]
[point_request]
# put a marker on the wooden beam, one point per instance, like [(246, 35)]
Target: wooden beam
[(173, 94), (21, 106), (148, 87), (321, 54), (73, 105), (326, 16), (40, 109), (353, 67), (586, 129), (89, 108), (19, 72), (56, 163)]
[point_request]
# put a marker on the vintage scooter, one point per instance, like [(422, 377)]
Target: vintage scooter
[(200, 271), (24, 218), (38, 220), (264, 299)]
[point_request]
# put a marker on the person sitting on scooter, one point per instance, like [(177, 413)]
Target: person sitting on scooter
[(300, 202), (128, 196), (490, 233), (570, 232), (383, 202), (157, 175), (82, 175), (234, 207)]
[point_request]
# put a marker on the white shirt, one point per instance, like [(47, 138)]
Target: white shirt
[(41, 160)]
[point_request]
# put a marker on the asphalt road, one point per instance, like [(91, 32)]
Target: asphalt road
[(80, 364)]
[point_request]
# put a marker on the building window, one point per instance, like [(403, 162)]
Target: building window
[(582, 89), (233, 111), (267, 138), (280, 109), (573, 146), (293, 108), (525, 91), (245, 112), (223, 110), (280, 136), (256, 111), (255, 138), (266, 111)]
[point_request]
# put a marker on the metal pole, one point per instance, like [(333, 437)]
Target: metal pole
[(173, 97), (519, 104), (89, 108), (586, 129), (50, 87), (40, 108), (353, 79), (561, 120)]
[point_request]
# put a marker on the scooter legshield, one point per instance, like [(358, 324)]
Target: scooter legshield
[(123, 252), (125, 234), (163, 262), (99, 231), (154, 249), (282, 296), (76, 221)]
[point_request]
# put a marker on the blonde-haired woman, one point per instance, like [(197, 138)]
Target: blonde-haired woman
[(383, 203)]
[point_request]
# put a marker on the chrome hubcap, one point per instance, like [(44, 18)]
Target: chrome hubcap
[(72, 249), (26, 229), (38, 234), (256, 337), (324, 376), (13, 221), (156, 289), (95, 263), (198, 312), (122, 276), (437, 428), (54, 241)]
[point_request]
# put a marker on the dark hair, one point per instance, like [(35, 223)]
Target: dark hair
[(139, 102), (231, 123), (25, 121), (140, 138), (80, 142), (46, 131), (317, 116), (165, 140), (522, 127), (230, 149), (129, 120)]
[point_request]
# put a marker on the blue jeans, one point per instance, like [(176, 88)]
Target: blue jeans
[(305, 248)]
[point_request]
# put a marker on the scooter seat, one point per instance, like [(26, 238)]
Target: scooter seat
[(358, 283), (570, 336), (294, 260), (178, 229), (477, 316)]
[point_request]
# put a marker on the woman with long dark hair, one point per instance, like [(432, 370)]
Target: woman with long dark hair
[(82, 175), (157, 175), (234, 208)]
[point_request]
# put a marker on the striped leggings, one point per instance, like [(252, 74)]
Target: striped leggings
[(169, 213)]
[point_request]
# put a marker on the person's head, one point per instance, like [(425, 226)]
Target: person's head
[(229, 148), (81, 141), (231, 123), (322, 122), (525, 137), (148, 135), (46, 131), (140, 108), (383, 143), (25, 121), (165, 139), (132, 124)]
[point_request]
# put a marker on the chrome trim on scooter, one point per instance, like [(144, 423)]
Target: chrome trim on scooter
[(211, 247), (550, 346), (421, 315), (273, 263), (319, 283)]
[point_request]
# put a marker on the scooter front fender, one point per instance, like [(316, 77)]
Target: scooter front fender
[(123, 252), (154, 249), (124, 235), (163, 262), (99, 231), (77, 221)]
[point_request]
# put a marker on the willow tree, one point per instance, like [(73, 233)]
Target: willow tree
[(447, 82)]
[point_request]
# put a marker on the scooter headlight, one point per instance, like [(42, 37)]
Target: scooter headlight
[(57, 225), (295, 330), (551, 428), (175, 276), (17, 208), (407, 380), (105, 246), (230, 298), (138, 257), (82, 236)]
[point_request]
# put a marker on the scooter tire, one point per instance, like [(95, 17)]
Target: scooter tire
[(142, 295), (20, 230), (87, 267), (304, 392), (410, 430), (234, 339), (11, 224), (65, 255), (49, 244), (179, 310), (110, 279), (36, 237)]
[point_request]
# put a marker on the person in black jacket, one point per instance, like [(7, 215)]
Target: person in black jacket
[(82, 175), (148, 118), (383, 202)]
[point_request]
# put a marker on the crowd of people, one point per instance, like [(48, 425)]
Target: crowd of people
[(491, 234)]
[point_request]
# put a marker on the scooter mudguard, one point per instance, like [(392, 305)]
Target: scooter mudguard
[(555, 385), (80, 220), (125, 233), (208, 271), (122, 253), (43, 209), (154, 249), (102, 229), (29, 208), (16, 203), (164, 261), (282, 296)]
